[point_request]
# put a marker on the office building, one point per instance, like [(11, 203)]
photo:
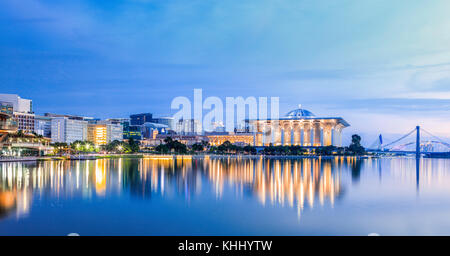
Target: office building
[(65, 129), (168, 121), (19, 105), (149, 130), (188, 127), (43, 126), (140, 119)]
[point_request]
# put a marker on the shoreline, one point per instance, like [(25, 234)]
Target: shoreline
[(175, 156)]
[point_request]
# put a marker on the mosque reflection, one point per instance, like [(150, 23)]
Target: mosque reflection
[(294, 183)]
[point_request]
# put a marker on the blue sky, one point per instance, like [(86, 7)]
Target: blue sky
[(382, 65)]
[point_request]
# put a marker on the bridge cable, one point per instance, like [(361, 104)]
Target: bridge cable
[(401, 138), (441, 141)]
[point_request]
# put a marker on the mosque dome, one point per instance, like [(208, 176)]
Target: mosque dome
[(299, 113)]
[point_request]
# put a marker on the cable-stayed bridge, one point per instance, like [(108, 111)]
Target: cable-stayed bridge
[(418, 141)]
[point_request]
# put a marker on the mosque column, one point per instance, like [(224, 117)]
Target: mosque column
[(338, 135), (327, 135), (333, 136), (267, 134), (259, 135), (287, 134), (277, 134), (317, 133), (297, 130), (307, 133)]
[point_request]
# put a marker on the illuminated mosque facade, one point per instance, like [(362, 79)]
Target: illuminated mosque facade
[(299, 127)]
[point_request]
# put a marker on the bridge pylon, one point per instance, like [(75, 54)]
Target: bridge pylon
[(418, 142)]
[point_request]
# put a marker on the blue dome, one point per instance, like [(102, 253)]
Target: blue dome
[(299, 113)]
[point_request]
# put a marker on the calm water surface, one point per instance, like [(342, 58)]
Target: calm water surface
[(226, 196)]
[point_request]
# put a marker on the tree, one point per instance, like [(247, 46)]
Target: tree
[(197, 147), (355, 147), (162, 148), (133, 145)]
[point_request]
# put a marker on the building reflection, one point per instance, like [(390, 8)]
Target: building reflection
[(294, 183)]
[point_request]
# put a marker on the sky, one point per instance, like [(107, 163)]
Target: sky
[(381, 65)]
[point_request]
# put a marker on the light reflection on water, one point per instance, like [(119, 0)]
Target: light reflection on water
[(256, 187)]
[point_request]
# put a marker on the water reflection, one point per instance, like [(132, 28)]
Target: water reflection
[(291, 183)]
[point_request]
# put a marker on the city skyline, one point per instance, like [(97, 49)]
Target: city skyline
[(384, 68)]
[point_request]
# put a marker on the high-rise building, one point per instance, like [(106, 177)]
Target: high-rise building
[(188, 127), (68, 130), (43, 126), (140, 119), (169, 121)]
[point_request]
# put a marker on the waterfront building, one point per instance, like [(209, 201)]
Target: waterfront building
[(68, 130), (104, 132), (188, 127), (43, 126), (19, 105), (7, 124), (140, 119), (169, 121), (96, 133), (158, 139), (149, 130), (25, 121), (239, 139), (73, 117), (298, 127), (132, 131), (22, 111)]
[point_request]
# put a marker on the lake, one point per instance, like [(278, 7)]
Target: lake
[(226, 196)]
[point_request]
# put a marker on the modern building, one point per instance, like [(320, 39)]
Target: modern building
[(96, 133), (14, 144), (189, 140), (149, 130), (7, 124), (23, 111), (103, 132), (19, 104), (43, 126), (140, 119), (132, 131), (65, 129), (114, 132), (240, 139), (298, 127), (188, 127), (25, 121), (169, 121)]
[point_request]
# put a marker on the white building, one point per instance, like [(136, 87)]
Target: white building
[(19, 104), (299, 127), (64, 129), (188, 127), (23, 111), (114, 132)]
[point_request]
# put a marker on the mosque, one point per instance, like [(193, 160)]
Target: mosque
[(299, 127)]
